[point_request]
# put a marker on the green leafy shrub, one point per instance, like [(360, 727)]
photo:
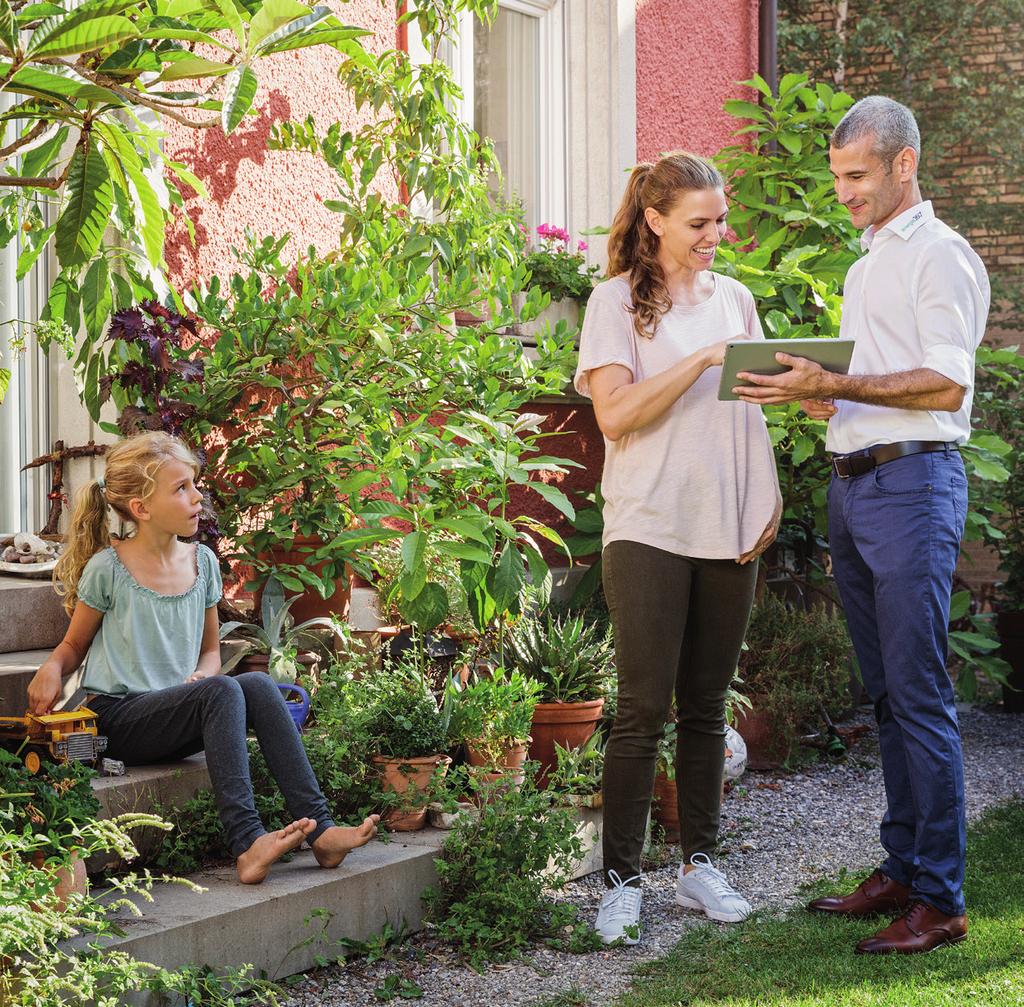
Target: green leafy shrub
[(494, 872), (402, 717), (56, 803), (493, 712), (796, 662)]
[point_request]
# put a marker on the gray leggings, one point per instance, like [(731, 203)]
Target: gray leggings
[(679, 624), (214, 714)]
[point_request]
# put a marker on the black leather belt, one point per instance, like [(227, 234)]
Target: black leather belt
[(861, 462)]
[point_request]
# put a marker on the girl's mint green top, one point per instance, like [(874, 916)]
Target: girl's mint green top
[(147, 640)]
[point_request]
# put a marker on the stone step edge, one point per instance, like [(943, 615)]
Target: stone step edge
[(272, 926)]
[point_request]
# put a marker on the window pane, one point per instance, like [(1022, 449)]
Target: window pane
[(507, 101)]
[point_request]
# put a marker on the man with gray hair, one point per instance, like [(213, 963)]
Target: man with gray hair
[(916, 305)]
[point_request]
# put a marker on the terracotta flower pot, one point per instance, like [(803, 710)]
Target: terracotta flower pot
[(72, 879), (411, 778), (509, 767), (665, 806), (567, 724), (310, 605), (768, 745)]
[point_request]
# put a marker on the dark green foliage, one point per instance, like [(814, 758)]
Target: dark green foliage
[(796, 662), (999, 406), (490, 901), (55, 802)]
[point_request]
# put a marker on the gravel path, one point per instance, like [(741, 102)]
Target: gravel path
[(779, 831)]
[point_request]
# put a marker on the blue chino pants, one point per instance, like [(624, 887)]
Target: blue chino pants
[(895, 536)]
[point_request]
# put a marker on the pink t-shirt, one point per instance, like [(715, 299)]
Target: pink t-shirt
[(699, 481)]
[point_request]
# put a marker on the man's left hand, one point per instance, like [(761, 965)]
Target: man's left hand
[(804, 380)]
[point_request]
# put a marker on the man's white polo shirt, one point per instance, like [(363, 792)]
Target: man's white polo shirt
[(919, 298)]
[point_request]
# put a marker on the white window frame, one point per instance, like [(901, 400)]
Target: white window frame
[(553, 203)]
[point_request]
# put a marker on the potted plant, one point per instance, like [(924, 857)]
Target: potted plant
[(795, 663), (580, 771), (491, 715), (278, 646), (561, 274), (56, 802), (410, 734), (571, 660)]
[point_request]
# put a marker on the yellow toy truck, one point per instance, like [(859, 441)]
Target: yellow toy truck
[(60, 736)]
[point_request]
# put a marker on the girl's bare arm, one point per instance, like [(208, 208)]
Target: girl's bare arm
[(44, 689)]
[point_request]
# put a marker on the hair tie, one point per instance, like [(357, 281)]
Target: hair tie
[(102, 483)]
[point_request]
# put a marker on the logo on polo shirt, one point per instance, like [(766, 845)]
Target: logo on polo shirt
[(916, 219)]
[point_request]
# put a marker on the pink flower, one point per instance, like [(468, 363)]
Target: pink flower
[(581, 246), (550, 232)]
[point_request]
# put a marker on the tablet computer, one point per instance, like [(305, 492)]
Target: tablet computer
[(758, 357)]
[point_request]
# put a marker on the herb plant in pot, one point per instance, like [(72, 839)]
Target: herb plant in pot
[(571, 660), (795, 664), (410, 733), (491, 715)]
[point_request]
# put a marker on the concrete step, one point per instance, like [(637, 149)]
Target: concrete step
[(16, 671), (31, 615), (147, 789), (265, 926)]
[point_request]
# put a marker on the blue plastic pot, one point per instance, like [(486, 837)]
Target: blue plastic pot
[(298, 708)]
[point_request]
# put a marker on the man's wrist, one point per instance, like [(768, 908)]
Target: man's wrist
[(831, 385)]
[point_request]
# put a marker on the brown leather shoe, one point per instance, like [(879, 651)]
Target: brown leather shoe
[(921, 928), (878, 894)]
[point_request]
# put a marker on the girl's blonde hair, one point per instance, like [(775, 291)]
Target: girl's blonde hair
[(131, 469), (633, 246)]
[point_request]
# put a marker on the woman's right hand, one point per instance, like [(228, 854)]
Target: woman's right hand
[(44, 689), (715, 353)]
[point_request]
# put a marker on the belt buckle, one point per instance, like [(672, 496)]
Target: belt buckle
[(838, 471)]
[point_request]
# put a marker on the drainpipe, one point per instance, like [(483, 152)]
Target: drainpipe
[(767, 48)]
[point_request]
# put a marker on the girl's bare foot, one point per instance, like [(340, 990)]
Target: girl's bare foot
[(334, 844), (253, 865)]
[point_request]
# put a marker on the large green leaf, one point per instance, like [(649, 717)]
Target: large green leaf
[(44, 84), (90, 201), (31, 251), (62, 304), (274, 14), (83, 36), (8, 35), (279, 40), (184, 65), (5, 383), (508, 578), (96, 299), (428, 609), (413, 547), (555, 497), (240, 89)]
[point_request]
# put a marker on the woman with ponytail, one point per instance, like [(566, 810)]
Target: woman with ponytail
[(691, 501), (144, 631)]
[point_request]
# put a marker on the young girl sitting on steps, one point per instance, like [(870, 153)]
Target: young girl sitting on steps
[(144, 620)]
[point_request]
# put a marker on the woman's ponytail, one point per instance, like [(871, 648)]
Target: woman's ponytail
[(87, 535)]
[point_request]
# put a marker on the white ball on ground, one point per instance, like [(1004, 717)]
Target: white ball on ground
[(735, 754)]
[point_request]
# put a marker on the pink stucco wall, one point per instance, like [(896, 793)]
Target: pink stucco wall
[(270, 192), (689, 56)]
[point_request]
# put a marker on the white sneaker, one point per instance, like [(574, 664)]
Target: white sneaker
[(619, 915), (705, 888)]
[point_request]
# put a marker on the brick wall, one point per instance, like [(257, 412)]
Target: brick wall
[(970, 175)]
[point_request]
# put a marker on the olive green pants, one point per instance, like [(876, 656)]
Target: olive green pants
[(679, 624)]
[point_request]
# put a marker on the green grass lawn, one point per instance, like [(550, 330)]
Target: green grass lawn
[(799, 959)]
